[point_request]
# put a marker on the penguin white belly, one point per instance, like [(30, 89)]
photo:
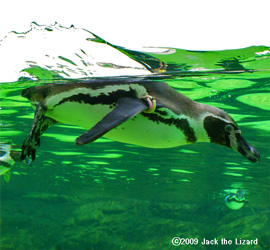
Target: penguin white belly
[(144, 132), (138, 130), (83, 115)]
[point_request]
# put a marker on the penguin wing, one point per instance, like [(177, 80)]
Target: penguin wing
[(125, 109)]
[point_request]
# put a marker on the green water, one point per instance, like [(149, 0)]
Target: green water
[(111, 196)]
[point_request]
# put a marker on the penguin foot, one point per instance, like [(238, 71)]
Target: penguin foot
[(39, 126), (152, 104), (32, 141), (29, 147)]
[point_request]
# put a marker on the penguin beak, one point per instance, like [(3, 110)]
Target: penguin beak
[(239, 144)]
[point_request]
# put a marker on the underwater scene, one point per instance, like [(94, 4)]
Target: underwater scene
[(111, 194)]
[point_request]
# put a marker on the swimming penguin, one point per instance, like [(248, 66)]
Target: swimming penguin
[(235, 200), (136, 111)]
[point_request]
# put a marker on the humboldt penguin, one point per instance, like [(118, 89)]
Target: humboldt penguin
[(136, 111), (235, 200)]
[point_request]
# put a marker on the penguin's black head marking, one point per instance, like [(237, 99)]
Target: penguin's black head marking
[(227, 133)]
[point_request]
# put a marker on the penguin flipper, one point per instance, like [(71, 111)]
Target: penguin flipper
[(125, 109)]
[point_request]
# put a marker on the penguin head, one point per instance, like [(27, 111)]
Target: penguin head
[(6, 161), (223, 130)]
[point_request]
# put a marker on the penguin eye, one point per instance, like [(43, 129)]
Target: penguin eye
[(228, 128)]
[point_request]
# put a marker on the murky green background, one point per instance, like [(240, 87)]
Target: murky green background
[(108, 195)]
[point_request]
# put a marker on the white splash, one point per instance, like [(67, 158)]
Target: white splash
[(70, 52)]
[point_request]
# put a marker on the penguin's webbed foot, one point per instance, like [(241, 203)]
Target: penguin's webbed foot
[(29, 147), (40, 124)]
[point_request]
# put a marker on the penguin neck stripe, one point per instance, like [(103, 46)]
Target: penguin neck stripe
[(179, 123)]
